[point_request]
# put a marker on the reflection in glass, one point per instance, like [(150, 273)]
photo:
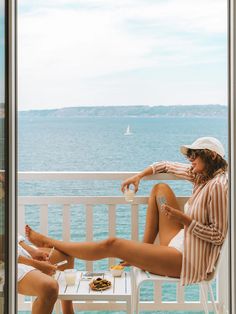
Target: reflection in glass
[(2, 161)]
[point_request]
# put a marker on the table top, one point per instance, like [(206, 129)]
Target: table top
[(120, 287)]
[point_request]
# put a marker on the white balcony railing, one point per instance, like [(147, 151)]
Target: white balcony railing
[(112, 203)]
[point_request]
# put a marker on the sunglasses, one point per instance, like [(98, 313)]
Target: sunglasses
[(193, 154)]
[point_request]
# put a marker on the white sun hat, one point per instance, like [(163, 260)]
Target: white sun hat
[(210, 143)]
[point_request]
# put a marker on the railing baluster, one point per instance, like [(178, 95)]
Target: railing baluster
[(134, 222), (44, 219), (158, 292), (112, 226), (66, 222), (21, 219), (180, 294), (89, 231)]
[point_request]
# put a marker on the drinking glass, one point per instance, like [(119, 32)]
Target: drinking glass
[(70, 276), (129, 194)]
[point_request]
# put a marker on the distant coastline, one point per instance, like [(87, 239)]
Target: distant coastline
[(131, 111)]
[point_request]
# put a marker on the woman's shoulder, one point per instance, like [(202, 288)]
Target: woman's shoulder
[(220, 180)]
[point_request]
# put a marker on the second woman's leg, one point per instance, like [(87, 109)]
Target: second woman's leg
[(57, 256), (45, 288)]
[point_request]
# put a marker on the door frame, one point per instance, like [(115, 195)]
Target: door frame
[(11, 152), (10, 304)]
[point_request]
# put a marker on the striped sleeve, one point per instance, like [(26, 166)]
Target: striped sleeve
[(215, 231), (178, 169)]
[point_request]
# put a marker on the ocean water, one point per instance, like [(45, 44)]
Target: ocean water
[(99, 144)]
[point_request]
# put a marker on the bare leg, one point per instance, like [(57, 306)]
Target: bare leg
[(45, 288), (156, 221), (57, 256), (152, 219), (160, 260)]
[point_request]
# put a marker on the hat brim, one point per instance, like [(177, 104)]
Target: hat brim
[(184, 149)]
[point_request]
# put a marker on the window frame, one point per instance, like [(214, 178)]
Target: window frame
[(10, 291), (11, 153)]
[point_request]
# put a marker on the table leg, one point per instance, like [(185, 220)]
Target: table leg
[(57, 307), (137, 302), (129, 306)]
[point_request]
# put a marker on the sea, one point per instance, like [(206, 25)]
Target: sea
[(98, 143)]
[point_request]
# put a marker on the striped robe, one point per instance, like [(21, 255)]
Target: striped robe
[(208, 208)]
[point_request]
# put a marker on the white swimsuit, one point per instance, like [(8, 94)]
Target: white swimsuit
[(178, 241), (22, 268)]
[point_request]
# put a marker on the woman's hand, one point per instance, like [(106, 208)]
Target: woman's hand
[(39, 255), (175, 214), (135, 180), (45, 267)]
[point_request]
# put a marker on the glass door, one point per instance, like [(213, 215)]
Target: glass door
[(7, 157), (2, 154)]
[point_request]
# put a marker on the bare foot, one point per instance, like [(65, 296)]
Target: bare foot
[(36, 238)]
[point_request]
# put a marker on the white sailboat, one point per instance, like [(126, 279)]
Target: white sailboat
[(128, 132)]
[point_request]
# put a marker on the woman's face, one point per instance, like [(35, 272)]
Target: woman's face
[(198, 165)]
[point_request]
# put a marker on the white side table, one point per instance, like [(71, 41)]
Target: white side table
[(121, 289)]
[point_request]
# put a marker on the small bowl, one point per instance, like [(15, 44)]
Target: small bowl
[(116, 272)]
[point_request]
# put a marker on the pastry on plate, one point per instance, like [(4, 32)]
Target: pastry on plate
[(100, 284)]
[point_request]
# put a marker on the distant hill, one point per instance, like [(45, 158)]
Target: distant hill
[(131, 111)]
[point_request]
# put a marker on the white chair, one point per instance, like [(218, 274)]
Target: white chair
[(140, 276)]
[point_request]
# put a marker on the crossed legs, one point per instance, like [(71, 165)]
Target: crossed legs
[(158, 259)]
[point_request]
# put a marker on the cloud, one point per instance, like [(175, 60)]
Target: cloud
[(68, 47), (208, 15), (188, 15)]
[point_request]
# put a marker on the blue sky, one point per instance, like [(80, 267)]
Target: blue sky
[(126, 52)]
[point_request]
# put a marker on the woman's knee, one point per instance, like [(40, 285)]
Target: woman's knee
[(49, 289), (111, 243), (161, 188)]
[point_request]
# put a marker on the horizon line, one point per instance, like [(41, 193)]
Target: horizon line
[(115, 106)]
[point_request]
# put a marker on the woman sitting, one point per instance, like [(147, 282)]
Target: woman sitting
[(35, 268), (190, 241)]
